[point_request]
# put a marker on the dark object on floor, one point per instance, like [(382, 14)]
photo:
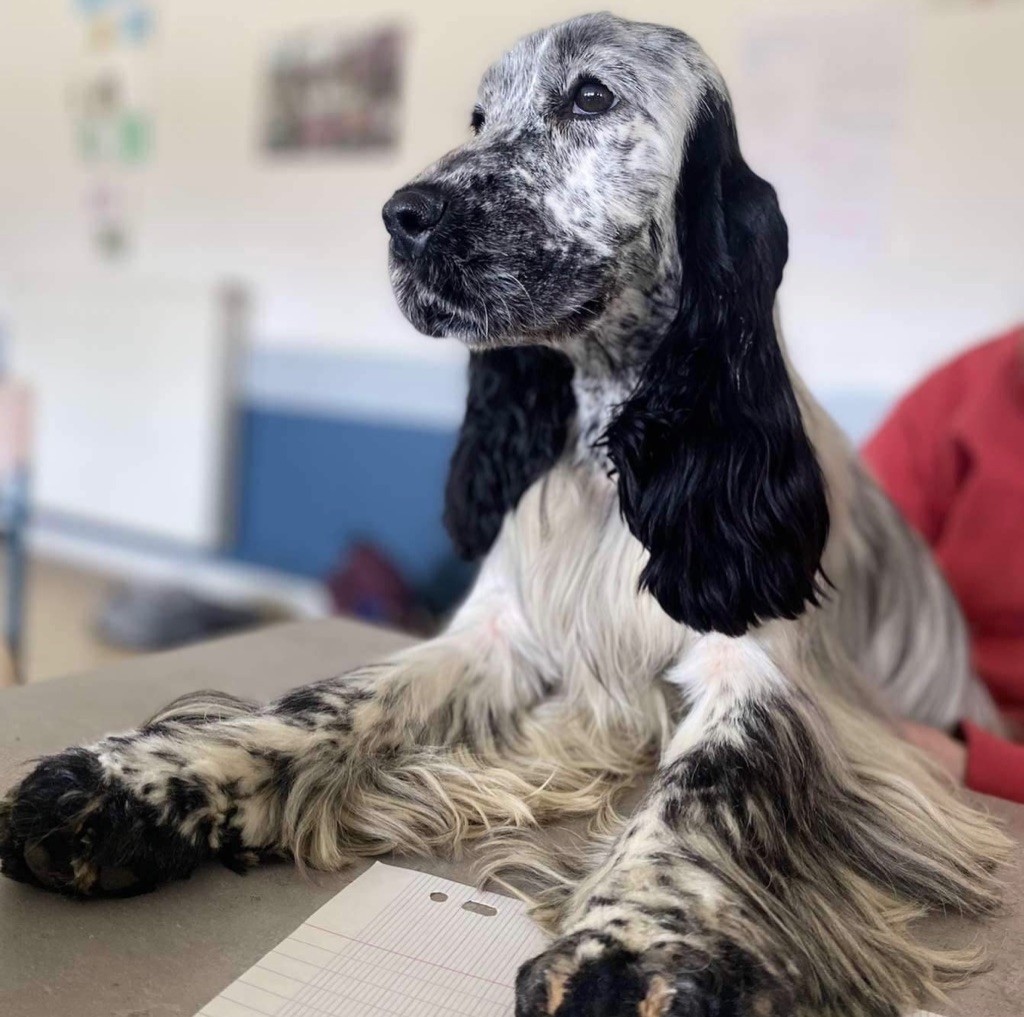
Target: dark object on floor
[(141, 616), (368, 585)]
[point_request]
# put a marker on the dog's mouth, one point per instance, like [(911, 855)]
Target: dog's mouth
[(437, 311), (459, 306)]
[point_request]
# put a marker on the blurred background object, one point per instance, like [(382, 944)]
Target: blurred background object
[(233, 417), (15, 476), (145, 616), (331, 89)]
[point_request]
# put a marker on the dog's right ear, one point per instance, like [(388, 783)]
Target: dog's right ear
[(517, 419), (717, 477)]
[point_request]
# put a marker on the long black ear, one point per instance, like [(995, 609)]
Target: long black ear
[(517, 419), (717, 477)]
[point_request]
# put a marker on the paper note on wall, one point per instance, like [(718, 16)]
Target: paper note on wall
[(820, 100), (111, 100)]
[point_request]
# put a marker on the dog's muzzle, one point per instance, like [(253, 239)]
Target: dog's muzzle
[(411, 217)]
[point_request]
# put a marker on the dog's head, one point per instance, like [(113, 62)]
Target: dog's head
[(603, 201), (559, 209)]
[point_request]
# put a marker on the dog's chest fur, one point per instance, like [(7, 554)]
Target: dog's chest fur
[(566, 570)]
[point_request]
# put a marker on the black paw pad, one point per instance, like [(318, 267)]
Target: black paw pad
[(590, 982), (72, 828), (593, 975)]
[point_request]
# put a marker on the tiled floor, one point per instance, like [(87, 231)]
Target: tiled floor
[(63, 603)]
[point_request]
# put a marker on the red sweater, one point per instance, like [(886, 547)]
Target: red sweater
[(951, 456)]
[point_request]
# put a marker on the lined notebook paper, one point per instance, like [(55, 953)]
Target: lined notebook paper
[(393, 943)]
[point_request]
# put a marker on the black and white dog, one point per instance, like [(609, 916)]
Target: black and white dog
[(685, 571)]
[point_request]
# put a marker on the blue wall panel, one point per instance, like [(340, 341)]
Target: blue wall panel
[(309, 485), (337, 448)]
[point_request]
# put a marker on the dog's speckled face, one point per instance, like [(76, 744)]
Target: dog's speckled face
[(559, 211)]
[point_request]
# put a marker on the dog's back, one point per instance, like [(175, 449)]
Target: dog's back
[(891, 609)]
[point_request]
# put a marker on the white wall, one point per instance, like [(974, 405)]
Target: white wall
[(306, 234), (132, 417)]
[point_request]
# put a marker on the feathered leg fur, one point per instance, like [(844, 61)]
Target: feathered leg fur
[(774, 867), (416, 754)]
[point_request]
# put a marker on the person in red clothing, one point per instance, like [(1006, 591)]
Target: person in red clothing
[(951, 457)]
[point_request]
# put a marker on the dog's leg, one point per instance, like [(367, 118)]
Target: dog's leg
[(417, 753), (772, 869)]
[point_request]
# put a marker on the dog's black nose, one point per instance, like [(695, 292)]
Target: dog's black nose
[(411, 216)]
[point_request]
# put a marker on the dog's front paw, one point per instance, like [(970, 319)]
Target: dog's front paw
[(73, 827), (594, 974)]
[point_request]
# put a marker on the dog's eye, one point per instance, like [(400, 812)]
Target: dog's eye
[(476, 121), (591, 98)]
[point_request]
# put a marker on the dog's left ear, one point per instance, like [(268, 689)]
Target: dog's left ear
[(716, 475)]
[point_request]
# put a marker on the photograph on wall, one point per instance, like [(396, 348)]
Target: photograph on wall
[(330, 89)]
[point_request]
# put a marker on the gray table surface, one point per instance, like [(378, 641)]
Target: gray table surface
[(168, 953)]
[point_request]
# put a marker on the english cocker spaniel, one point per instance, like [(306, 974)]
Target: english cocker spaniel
[(685, 572)]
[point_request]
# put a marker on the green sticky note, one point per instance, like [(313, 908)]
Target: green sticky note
[(136, 138)]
